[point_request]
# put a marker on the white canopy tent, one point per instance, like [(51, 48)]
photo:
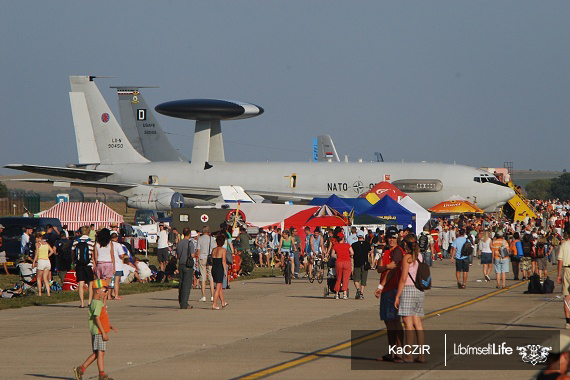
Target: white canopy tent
[(265, 214), (422, 215)]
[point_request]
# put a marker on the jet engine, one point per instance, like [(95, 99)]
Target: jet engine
[(153, 198)]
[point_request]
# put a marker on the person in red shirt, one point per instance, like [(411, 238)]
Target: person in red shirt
[(436, 253), (343, 267), (389, 268)]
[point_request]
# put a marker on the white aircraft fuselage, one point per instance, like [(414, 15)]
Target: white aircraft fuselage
[(304, 180)]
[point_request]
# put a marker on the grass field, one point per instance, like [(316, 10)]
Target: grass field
[(8, 281)]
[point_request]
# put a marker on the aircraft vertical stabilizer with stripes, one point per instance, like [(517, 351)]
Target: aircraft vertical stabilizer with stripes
[(324, 150)]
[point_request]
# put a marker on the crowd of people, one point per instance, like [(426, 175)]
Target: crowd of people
[(503, 249)]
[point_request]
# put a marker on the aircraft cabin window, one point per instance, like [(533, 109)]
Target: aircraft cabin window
[(477, 179)]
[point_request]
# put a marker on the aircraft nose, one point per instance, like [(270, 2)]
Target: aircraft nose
[(504, 194)]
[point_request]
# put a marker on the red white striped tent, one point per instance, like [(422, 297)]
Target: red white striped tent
[(78, 214)]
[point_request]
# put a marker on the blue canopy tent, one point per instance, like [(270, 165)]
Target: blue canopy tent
[(333, 202), (360, 205), (391, 212)]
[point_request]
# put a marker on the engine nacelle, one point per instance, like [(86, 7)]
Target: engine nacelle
[(153, 198)]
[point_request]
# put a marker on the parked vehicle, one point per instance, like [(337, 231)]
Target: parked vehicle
[(147, 221), (12, 234)]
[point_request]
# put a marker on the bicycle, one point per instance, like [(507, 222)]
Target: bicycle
[(317, 271), (287, 268), (320, 263)]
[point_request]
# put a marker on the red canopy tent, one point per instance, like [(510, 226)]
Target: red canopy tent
[(381, 189), (327, 221), (299, 219), (78, 214), (322, 216)]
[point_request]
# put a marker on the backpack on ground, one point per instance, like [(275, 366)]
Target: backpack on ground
[(56, 287), (82, 254), (423, 277), (548, 286), (467, 249), (423, 243), (534, 285), (539, 250)]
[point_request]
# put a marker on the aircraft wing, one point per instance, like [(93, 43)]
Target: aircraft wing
[(118, 187), (276, 197), (192, 192), (84, 174), (69, 182)]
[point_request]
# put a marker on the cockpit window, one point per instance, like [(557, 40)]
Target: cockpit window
[(484, 178)]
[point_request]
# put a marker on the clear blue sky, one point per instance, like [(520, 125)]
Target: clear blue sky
[(476, 82)]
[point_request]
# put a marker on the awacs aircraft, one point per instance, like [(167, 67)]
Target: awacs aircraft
[(108, 160)]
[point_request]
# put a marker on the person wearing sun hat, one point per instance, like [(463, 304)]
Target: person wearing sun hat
[(99, 326)]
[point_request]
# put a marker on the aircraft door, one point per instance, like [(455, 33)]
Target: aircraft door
[(292, 180)]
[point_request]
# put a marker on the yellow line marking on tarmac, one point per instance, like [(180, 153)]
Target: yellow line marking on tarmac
[(344, 345)]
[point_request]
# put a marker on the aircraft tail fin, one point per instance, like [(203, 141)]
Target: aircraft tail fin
[(141, 127), (99, 137), (324, 149)]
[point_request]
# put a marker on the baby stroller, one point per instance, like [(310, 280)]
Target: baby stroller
[(331, 279)]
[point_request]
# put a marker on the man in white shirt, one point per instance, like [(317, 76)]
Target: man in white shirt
[(162, 246), (206, 243), (445, 239), (128, 274), (25, 240), (352, 237)]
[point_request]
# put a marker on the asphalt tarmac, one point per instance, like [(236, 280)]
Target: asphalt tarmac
[(269, 329)]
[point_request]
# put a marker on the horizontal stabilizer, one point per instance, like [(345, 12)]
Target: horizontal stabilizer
[(85, 174), (234, 194)]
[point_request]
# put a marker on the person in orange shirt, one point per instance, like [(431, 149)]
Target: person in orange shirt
[(501, 258), (99, 326)]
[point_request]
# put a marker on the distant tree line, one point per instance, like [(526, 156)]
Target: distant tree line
[(3, 190), (550, 188)]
